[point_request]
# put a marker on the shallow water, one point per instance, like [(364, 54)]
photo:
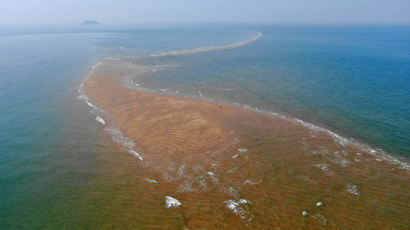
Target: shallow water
[(51, 146), (232, 168), (59, 167), (352, 80)]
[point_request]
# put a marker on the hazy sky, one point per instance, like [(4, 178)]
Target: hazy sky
[(143, 11)]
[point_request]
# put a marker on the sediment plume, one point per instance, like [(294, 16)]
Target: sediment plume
[(233, 168)]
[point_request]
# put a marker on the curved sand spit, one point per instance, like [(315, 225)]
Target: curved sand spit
[(233, 168)]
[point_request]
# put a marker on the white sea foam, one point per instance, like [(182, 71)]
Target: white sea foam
[(151, 181), (186, 186), (232, 170), (250, 182), (235, 207), (203, 183), (385, 157), (213, 177), (99, 119), (231, 191), (119, 138), (320, 217), (90, 104), (255, 109), (196, 184), (352, 189), (200, 94), (171, 202), (82, 97), (323, 166), (208, 49), (381, 155), (95, 109), (341, 140), (181, 170), (82, 94), (168, 177), (338, 159), (133, 152), (242, 150)]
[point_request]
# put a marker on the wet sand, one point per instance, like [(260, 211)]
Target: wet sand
[(233, 168)]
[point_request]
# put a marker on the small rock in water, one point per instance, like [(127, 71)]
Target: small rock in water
[(319, 204), (304, 213)]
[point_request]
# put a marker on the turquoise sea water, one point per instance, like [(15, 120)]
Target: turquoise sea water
[(352, 80)]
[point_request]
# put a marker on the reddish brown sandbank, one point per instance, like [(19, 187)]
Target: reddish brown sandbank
[(191, 148)]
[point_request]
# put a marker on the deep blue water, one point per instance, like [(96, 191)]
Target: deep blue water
[(352, 80)]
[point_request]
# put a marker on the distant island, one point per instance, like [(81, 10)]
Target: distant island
[(90, 23)]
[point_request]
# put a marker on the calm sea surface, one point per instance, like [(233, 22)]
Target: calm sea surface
[(56, 167)]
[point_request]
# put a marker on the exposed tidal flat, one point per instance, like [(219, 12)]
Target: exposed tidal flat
[(169, 136), (221, 166)]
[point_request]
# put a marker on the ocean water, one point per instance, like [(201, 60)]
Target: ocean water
[(352, 80), (51, 146), (58, 167)]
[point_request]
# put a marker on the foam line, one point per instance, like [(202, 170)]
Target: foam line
[(208, 49), (380, 154), (100, 120)]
